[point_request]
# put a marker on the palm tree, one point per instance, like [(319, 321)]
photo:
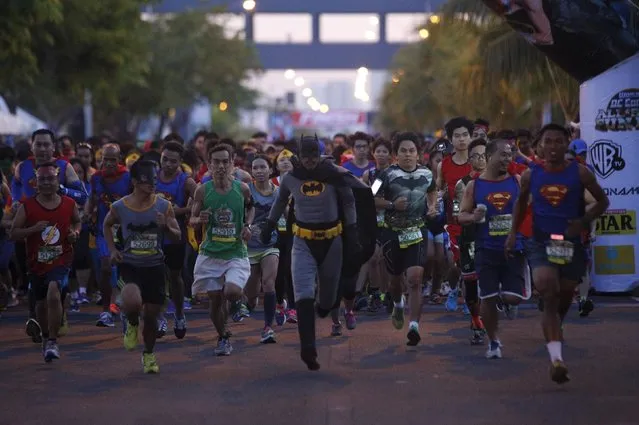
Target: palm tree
[(506, 55)]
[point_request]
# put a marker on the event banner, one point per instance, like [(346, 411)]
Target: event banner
[(610, 123), (584, 37)]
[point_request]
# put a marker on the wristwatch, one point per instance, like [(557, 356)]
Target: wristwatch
[(391, 206)]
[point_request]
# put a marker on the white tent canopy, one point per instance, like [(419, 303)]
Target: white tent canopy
[(21, 122)]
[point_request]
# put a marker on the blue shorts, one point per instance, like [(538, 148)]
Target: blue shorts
[(7, 248), (439, 239), (96, 260), (574, 271), (39, 284)]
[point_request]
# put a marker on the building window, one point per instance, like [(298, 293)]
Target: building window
[(295, 28), (349, 28)]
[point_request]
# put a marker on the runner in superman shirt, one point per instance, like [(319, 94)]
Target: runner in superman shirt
[(24, 186), (555, 250), (177, 187), (109, 184), (487, 206), (449, 172), (50, 223)]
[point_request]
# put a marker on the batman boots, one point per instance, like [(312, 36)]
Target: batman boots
[(306, 328)]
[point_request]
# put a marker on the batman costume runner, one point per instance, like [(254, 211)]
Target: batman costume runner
[(329, 206)]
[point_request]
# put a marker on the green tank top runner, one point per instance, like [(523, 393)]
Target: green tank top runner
[(222, 238)]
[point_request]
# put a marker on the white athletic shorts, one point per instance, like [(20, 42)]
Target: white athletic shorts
[(210, 274)]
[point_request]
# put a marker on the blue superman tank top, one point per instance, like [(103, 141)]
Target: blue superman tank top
[(263, 206), (173, 192), (557, 197), (499, 197), (355, 170), (27, 176), (107, 193)]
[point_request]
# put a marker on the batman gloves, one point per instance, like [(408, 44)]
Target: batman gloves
[(267, 230)]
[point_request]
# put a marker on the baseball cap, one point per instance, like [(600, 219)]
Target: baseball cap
[(578, 146)]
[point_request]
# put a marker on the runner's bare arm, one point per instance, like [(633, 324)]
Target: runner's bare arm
[(601, 199), (249, 207), (519, 211), (70, 176), (441, 183), (467, 205), (76, 222), (189, 189), (281, 200), (196, 206), (110, 220), (16, 184), (174, 233)]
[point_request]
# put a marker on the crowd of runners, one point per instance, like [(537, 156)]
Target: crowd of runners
[(476, 221)]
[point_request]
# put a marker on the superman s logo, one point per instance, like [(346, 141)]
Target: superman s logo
[(312, 188), (499, 199), (554, 193)]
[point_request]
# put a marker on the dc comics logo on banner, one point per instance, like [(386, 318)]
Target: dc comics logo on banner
[(605, 156), (621, 114)]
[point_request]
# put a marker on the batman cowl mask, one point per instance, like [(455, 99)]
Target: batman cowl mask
[(309, 147)]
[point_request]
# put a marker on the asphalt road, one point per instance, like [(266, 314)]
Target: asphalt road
[(367, 377)]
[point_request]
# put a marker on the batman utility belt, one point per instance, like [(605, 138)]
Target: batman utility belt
[(317, 235)]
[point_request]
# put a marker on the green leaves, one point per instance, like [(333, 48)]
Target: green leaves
[(474, 64), (51, 51)]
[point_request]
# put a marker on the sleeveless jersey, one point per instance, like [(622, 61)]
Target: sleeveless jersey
[(222, 236), (27, 177), (451, 174), (557, 197), (263, 206), (355, 170), (142, 237), (50, 248), (108, 192), (499, 197), (173, 192)]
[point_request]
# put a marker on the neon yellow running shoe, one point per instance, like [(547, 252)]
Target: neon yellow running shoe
[(149, 363), (131, 337)]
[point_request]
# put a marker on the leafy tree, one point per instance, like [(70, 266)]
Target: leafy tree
[(439, 78), (190, 59), (22, 23), (63, 47)]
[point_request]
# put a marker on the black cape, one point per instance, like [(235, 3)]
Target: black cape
[(366, 214)]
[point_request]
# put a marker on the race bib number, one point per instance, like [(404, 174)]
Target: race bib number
[(281, 224), (560, 252), (410, 237), (47, 254), (145, 244), (224, 234), (500, 225)]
